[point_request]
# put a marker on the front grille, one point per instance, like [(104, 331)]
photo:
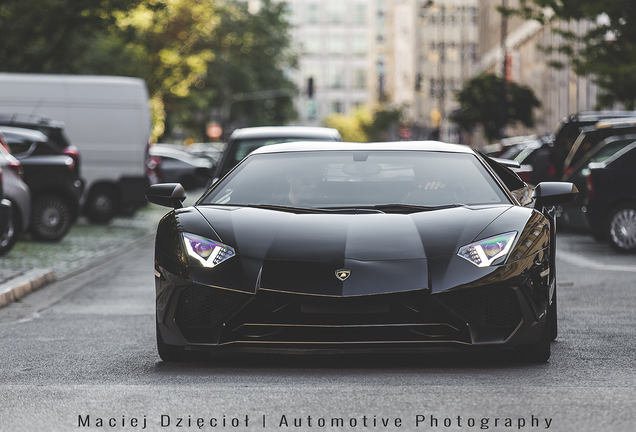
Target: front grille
[(201, 308), (406, 318), (489, 307)]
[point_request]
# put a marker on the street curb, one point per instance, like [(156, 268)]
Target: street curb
[(15, 289)]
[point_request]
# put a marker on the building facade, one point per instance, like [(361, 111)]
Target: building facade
[(560, 91), (335, 42), (433, 53)]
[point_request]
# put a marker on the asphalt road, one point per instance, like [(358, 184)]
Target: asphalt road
[(80, 355)]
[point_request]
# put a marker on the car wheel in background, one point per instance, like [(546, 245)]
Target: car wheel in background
[(10, 234), (188, 182), (621, 228), (51, 218), (101, 204)]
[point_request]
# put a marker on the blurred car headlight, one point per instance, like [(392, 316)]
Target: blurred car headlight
[(485, 252), (207, 252)]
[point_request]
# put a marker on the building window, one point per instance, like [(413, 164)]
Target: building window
[(336, 44), (336, 12), (360, 14), (313, 13), (336, 77), (360, 45), (360, 79), (336, 107), (312, 44)]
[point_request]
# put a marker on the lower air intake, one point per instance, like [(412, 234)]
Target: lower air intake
[(201, 308)]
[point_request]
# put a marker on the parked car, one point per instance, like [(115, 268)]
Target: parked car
[(569, 128), (533, 157), (107, 118), (5, 212), (244, 141), (610, 207), (209, 151), (53, 181), (591, 136), (172, 165), (358, 248), (18, 193), (571, 214)]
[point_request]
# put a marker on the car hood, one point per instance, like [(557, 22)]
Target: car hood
[(303, 253)]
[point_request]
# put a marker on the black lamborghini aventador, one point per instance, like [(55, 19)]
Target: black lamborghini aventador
[(359, 248)]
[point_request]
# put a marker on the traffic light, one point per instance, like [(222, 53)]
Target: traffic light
[(310, 87)]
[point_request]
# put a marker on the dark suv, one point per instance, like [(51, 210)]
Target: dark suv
[(611, 199), (53, 179)]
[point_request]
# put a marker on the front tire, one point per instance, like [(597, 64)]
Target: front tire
[(552, 318), (173, 353), (538, 352), (51, 218), (621, 228)]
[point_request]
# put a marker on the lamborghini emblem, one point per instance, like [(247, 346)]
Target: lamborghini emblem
[(343, 274)]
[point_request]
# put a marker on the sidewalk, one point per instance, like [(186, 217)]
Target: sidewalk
[(31, 265)]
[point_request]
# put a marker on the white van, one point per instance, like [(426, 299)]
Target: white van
[(106, 117)]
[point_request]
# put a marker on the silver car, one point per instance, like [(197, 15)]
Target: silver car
[(16, 191)]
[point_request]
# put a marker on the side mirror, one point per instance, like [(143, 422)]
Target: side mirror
[(167, 195), (548, 194)]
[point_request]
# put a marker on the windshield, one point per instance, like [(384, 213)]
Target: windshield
[(358, 179)]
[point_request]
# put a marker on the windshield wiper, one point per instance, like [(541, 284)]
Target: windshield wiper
[(408, 208), (290, 209)]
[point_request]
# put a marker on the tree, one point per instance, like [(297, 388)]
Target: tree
[(351, 128), (480, 102), (252, 56), (607, 51), (48, 36), (364, 125), (193, 54)]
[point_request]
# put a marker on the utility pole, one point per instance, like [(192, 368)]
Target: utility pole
[(441, 46), (503, 106)]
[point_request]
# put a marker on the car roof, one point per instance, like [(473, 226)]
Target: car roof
[(30, 120), (348, 146), (31, 134), (285, 132)]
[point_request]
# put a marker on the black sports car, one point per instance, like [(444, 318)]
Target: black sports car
[(358, 248)]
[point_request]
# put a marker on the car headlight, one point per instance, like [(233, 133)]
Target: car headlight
[(485, 252), (208, 252)]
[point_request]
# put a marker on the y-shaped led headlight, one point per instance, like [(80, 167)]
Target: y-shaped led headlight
[(208, 252), (484, 252)]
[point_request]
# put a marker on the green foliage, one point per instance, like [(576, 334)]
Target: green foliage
[(193, 54), (351, 128), (607, 51), (47, 35), (364, 125), (481, 104)]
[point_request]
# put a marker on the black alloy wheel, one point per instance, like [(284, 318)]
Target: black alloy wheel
[(51, 218), (101, 204)]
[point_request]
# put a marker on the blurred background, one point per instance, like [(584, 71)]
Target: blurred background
[(125, 93)]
